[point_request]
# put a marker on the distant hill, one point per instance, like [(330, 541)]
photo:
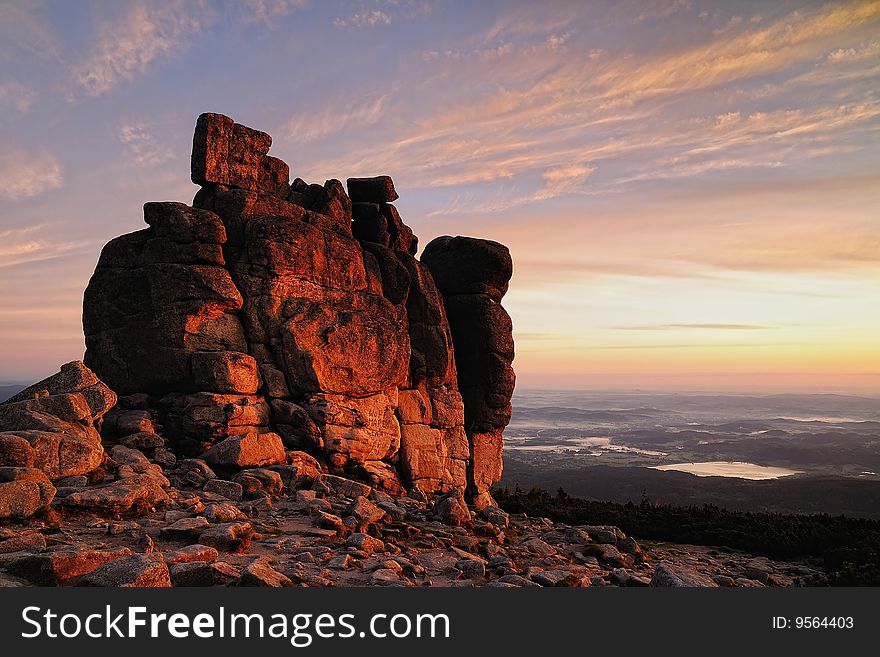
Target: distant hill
[(7, 391)]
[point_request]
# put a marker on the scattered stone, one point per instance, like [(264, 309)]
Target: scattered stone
[(223, 513), (365, 513), (23, 492), (228, 537), (135, 571), (453, 510), (59, 566), (231, 490), (517, 580), (329, 521), (134, 494), (260, 573), (200, 573), (25, 543), (384, 577), (345, 487), (250, 450), (679, 576), (192, 553), (365, 543), (185, 528), (341, 562)]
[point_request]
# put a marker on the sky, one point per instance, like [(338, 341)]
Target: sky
[(690, 190)]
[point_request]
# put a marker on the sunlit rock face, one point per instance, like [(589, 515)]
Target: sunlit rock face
[(293, 310)]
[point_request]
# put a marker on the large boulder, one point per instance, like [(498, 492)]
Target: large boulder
[(53, 425), (473, 276), (23, 492)]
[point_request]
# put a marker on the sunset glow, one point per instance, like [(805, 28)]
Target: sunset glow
[(690, 190)]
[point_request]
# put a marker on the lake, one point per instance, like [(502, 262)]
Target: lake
[(738, 469)]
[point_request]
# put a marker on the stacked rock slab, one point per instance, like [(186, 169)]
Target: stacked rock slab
[(473, 276), (275, 311), (48, 433)]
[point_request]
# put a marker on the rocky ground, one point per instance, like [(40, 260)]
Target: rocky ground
[(293, 526)]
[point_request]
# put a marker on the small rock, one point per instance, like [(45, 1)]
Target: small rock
[(231, 490), (343, 561), (250, 450), (61, 565), (679, 576), (384, 577), (539, 546), (452, 510), (192, 553), (24, 543), (517, 580), (260, 573), (199, 573), (228, 537), (365, 512), (135, 571), (326, 520), (343, 486), (185, 528), (365, 543), (223, 513), (472, 568), (143, 440)]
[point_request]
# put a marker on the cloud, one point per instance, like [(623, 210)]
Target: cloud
[(320, 123), (16, 96), (849, 55), (266, 11), (369, 18), (25, 175), (670, 327), (660, 9), (142, 146), (126, 48), (20, 246), (563, 180), (507, 111), (385, 12)]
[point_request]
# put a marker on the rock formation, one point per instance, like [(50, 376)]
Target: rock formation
[(274, 316)]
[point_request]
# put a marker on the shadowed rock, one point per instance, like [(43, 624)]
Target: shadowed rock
[(473, 275)]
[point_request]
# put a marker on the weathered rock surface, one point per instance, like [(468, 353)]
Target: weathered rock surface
[(51, 425), (473, 276), (274, 315)]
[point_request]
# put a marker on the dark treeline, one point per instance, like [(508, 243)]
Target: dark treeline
[(850, 547)]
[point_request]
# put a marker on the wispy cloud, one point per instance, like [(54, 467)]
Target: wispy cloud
[(630, 116), (142, 146), (267, 12), (311, 125), (563, 180), (384, 12), (697, 326), (19, 246), (660, 9), (24, 174), (369, 18), (128, 47)]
